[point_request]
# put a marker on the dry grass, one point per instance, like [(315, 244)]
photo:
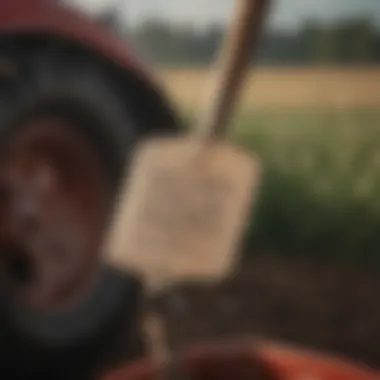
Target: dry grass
[(284, 88)]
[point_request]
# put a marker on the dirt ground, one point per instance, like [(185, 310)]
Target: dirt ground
[(326, 307)]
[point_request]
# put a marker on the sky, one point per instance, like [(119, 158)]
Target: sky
[(285, 13)]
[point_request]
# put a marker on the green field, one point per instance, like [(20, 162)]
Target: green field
[(321, 185), (317, 132)]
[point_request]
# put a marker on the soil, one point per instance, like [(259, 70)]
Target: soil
[(328, 307)]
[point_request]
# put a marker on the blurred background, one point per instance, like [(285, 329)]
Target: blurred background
[(311, 110)]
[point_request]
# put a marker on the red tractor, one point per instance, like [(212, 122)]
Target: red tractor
[(74, 100)]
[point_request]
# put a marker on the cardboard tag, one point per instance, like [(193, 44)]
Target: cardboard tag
[(184, 211)]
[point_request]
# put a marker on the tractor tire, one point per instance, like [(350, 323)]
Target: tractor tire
[(80, 344), (48, 83)]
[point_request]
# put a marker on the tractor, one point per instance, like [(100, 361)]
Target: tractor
[(74, 102)]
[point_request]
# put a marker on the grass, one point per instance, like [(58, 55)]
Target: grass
[(321, 184)]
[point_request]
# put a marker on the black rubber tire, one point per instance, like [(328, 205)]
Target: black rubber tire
[(72, 83), (102, 333)]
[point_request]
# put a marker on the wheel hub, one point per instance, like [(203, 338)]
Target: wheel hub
[(54, 202)]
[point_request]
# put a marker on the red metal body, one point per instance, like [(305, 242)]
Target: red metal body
[(50, 18)]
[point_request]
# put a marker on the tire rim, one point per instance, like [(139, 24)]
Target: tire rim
[(55, 202)]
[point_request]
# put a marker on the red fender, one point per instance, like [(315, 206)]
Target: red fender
[(51, 18)]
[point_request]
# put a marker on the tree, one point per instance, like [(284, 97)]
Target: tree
[(364, 42), (346, 42)]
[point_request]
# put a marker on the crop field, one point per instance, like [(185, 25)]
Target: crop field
[(285, 88), (313, 248)]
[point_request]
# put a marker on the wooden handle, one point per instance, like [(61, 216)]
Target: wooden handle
[(157, 340), (242, 39), (168, 366)]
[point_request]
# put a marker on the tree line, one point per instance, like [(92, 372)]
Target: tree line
[(347, 42)]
